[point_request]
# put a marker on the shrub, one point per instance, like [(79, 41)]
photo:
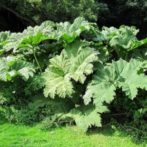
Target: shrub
[(79, 68)]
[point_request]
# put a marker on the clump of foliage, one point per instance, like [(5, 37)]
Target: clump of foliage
[(65, 72)]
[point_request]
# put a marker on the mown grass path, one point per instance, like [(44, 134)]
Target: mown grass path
[(24, 136)]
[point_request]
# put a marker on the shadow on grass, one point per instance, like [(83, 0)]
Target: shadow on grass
[(106, 130), (110, 130)]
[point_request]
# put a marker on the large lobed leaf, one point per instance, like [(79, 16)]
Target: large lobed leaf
[(108, 78), (86, 116), (12, 66), (57, 80), (74, 63), (81, 58), (69, 32)]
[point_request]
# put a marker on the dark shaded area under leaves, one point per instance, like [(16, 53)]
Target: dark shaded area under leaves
[(9, 21)]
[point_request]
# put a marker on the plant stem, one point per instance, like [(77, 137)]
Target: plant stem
[(36, 59)]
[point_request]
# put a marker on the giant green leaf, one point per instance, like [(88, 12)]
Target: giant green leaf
[(57, 79), (69, 32), (108, 78), (74, 63)]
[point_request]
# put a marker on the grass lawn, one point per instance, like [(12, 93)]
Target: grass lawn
[(24, 136)]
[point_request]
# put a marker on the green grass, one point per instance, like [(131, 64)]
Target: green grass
[(23, 136)]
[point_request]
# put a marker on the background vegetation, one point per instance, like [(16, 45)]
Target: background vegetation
[(104, 12)]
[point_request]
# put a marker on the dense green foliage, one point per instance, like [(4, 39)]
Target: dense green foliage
[(63, 73)]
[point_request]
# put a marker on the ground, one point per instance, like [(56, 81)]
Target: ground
[(24, 136)]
